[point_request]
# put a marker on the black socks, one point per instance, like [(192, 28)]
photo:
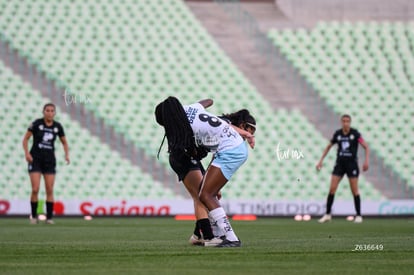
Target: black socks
[(329, 202), (357, 202), (33, 205), (49, 210), (203, 229), (197, 229)]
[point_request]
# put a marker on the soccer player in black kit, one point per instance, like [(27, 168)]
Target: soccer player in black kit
[(41, 158), (347, 139)]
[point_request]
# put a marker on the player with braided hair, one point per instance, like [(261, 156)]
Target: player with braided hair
[(215, 135)]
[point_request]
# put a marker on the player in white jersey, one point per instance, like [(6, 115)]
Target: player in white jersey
[(190, 172), (190, 127)]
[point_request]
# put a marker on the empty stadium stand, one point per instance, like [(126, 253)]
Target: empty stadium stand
[(364, 69), (126, 57), (96, 170)]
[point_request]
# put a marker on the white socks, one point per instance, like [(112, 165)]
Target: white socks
[(219, 217), (216, 230)]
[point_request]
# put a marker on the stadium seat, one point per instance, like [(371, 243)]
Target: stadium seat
[(380, 54), (83, 178), (127, 62)]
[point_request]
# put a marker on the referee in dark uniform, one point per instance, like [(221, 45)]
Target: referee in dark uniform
[(347, 139), (41, 158)]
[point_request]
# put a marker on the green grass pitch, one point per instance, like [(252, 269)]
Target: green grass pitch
[(159, 246)]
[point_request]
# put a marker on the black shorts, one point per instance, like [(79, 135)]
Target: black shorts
[(44, 165), (348, 167), (182, 164)]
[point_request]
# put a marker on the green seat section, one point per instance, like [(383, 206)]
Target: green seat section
[(96, 171), (367, 70), (126, 56)]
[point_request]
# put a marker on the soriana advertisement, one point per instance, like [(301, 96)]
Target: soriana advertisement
[(134, 207)]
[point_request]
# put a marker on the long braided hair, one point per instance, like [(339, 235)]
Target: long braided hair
[(171, 115)]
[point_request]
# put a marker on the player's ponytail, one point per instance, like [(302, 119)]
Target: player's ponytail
[(241, 117), (171, 115)]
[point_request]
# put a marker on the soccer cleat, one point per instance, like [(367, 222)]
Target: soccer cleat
[(195, 240), (227, 243), (358, 219), (213, 242), (50, 222), (325, 218), (34, 220)]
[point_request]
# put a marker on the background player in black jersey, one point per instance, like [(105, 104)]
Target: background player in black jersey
[(41, 158), (347, 139)]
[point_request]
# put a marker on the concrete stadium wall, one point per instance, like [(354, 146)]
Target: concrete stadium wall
[(352, 10)]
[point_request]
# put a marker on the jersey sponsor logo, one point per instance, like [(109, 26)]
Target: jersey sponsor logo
[(191, 114), (47, 130), (47, 137), (44, 146), (345, 145), (345, 149)]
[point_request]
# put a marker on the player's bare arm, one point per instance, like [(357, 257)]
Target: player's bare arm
[(325, 152), (206, 102), (364, 145), (25, 142), (246, 135), (65, 148)]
